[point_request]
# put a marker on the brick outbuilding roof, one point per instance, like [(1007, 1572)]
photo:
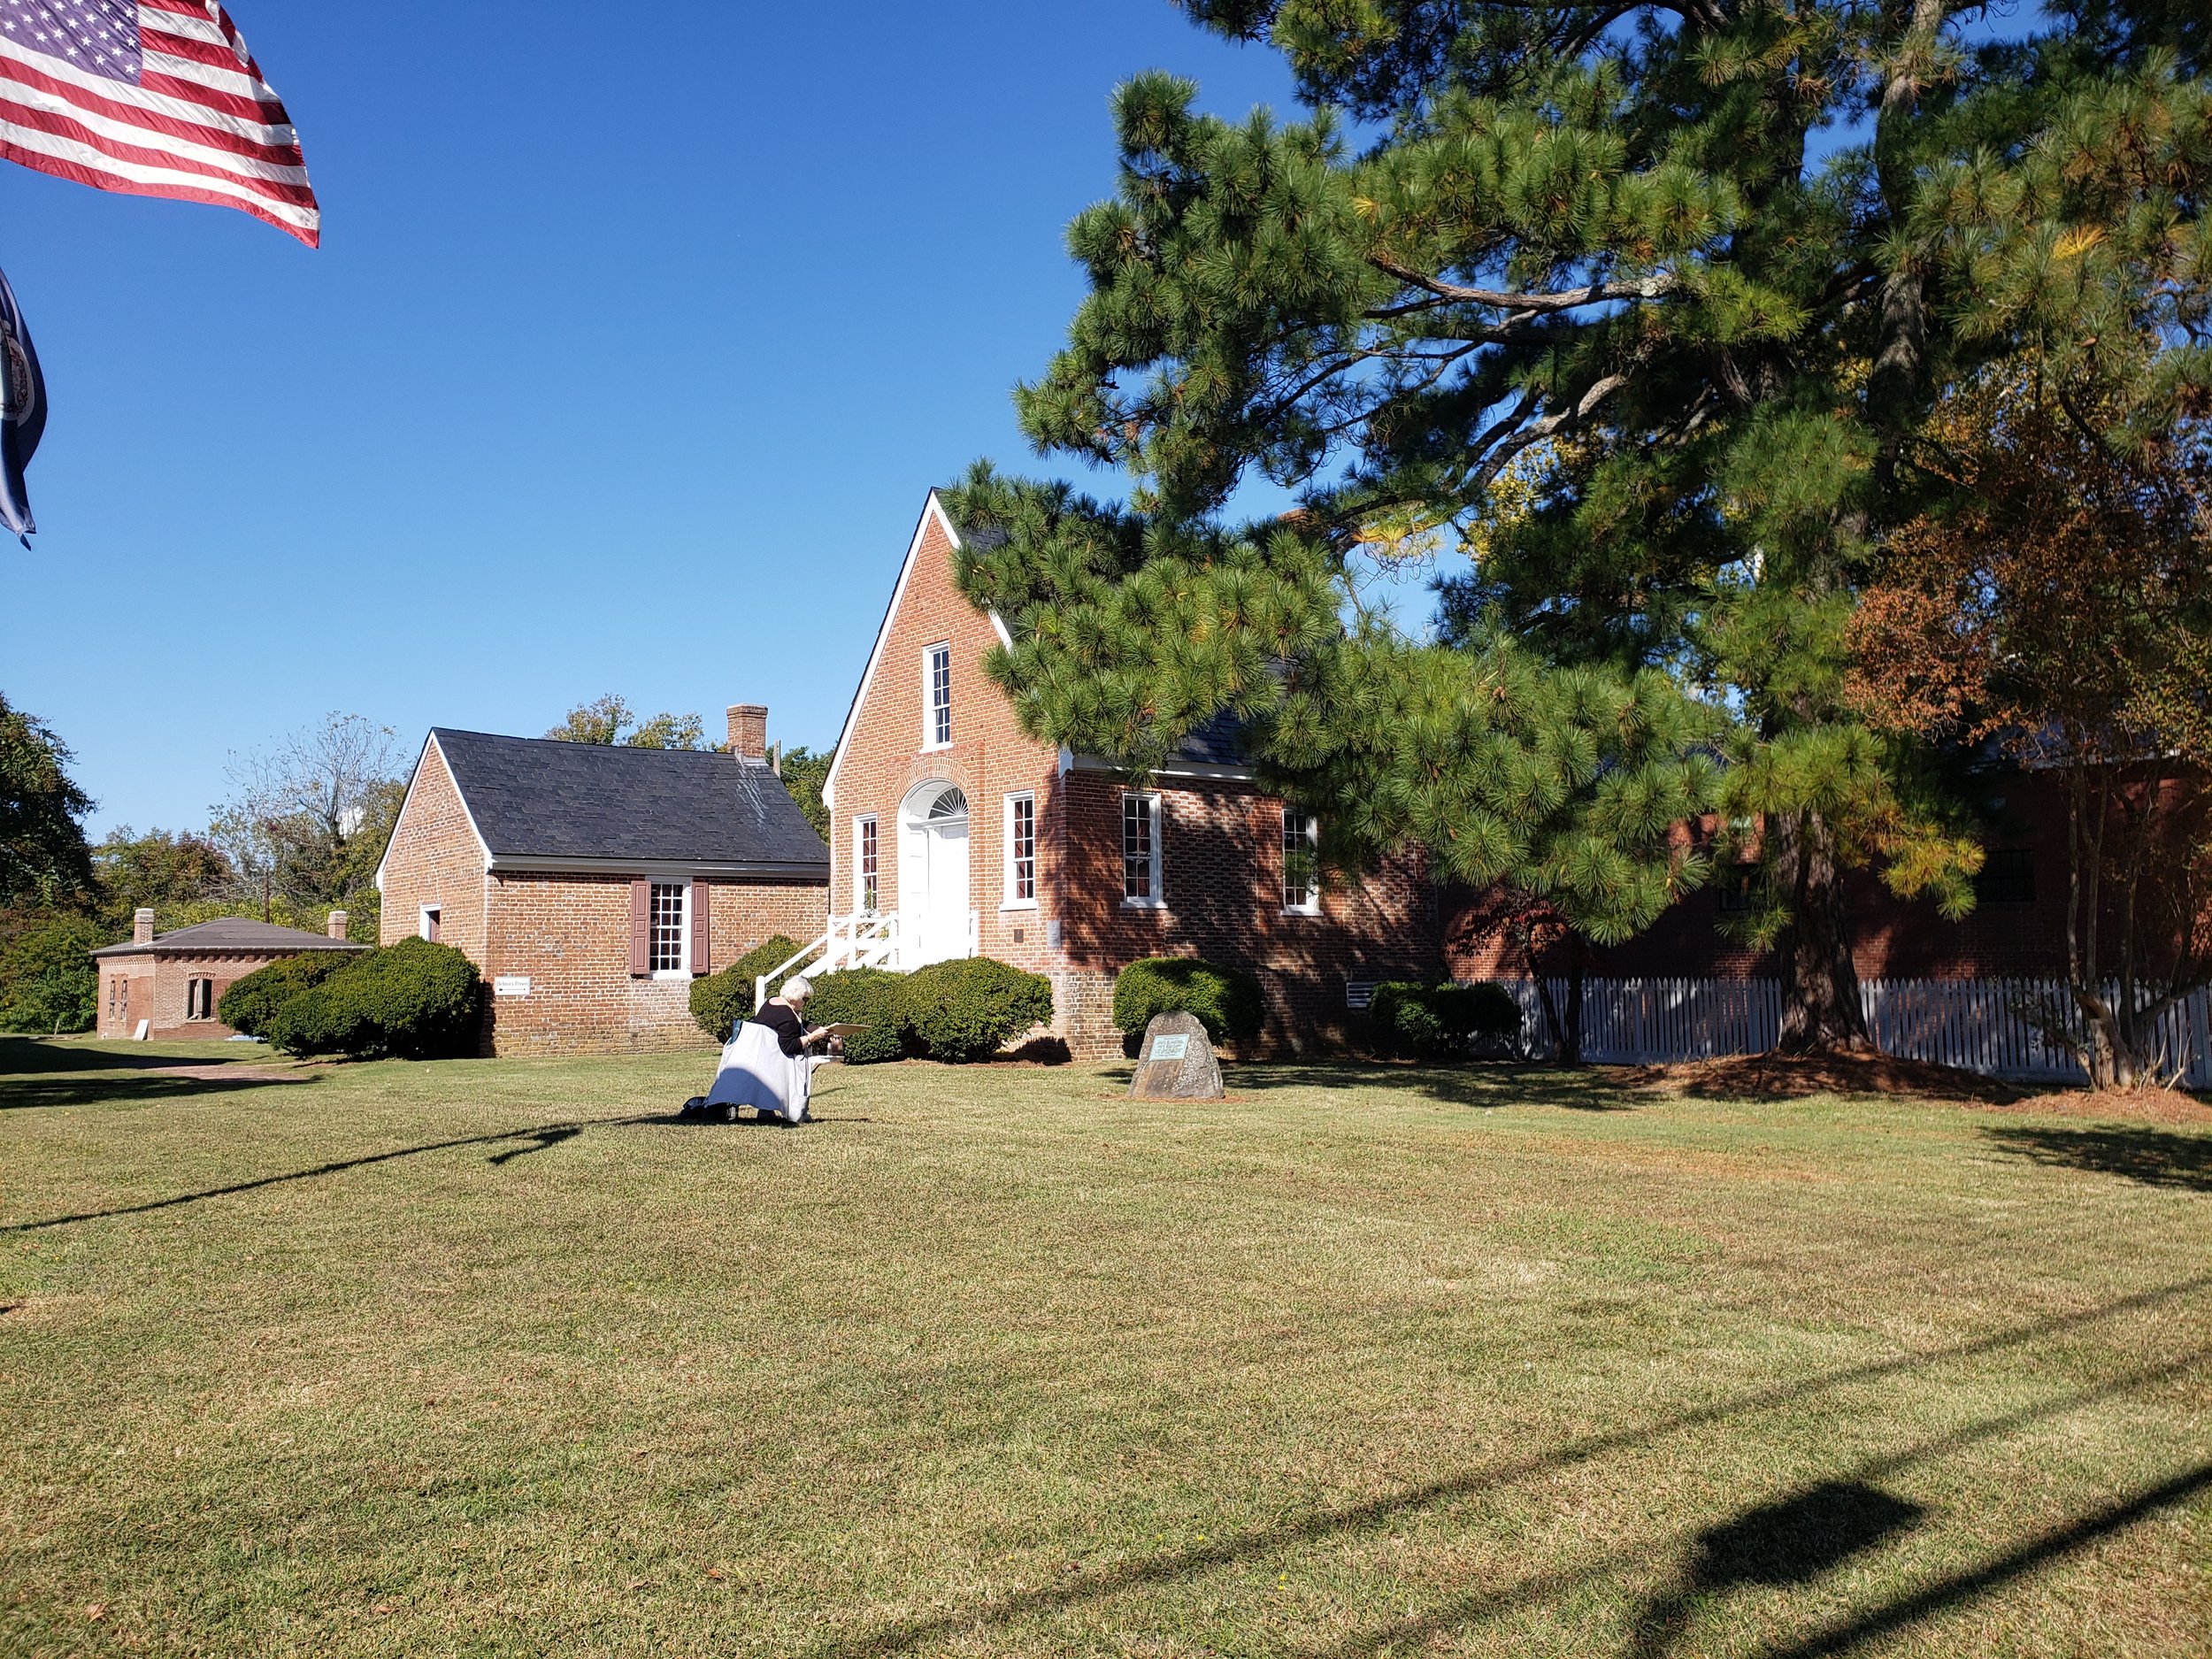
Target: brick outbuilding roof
[(539, 798), (230, 932)]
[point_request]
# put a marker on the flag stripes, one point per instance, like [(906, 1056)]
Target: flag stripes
[(152, 97)]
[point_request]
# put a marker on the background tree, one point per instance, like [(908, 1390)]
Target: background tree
[(43, 858), (309, 818), (1590, 254), (49, 983), (804, 772), (610, 720), (2059, 609), (166, 871)]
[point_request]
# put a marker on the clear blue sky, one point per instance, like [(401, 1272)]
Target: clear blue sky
[(636, 336)]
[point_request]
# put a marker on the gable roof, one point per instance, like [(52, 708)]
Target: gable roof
[(539, 801), (230, 932)]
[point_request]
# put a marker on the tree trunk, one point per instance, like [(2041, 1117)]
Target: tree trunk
[(1820, 983)]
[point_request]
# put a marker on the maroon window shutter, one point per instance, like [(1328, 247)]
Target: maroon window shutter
[(640, 925), (702, 922)]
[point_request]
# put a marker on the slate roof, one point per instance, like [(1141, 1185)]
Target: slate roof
[(230, 932), (539, 798)]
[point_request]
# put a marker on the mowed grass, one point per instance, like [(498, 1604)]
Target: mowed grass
[(491, 1358)]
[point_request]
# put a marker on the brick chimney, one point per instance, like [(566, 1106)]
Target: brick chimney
[(748, 731), (336, 926), (142, 926)]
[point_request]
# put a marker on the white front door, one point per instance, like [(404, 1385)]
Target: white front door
[(933, 875)]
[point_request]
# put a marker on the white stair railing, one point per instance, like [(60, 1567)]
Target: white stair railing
[(849, 941)]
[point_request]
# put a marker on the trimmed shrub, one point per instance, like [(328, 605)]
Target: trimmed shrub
[(861, 996), (413, 1001), (1226, 1000), (252, 1002), (1440, 1022), (967, 1008), (720, 1002)]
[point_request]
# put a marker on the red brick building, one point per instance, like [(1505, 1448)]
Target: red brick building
[(590, 885), (175, 982), (953, 834)]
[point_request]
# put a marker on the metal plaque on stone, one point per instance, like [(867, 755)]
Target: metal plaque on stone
[(1177, 1061)]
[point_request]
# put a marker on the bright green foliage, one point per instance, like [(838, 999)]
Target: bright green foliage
[(1226, 1000), (252, 1003), (411, 1001), (804, 772), (862, 996), (1586, 305), (720, 1002), (969, 1008), (48, 982), (44, 858), (610, 720), (1440, 1022)]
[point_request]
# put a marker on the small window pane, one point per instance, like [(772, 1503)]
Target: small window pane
[(1137, 848), (941, 694), (667, 924), (1301, 875), (1021, 847)]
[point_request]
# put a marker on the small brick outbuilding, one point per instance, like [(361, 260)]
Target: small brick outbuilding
[(175, 982), (591, 884)]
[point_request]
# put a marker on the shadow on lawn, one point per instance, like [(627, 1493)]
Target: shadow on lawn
[(2157, 1158), (1827, 1524), (536, 1140), (1595, 1089), (35, 1073)]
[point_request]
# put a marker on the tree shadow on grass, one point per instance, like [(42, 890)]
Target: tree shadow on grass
[(2156, 1157), (1329, 1527), (1580, 1088), (150, 1090), (535, 1138)]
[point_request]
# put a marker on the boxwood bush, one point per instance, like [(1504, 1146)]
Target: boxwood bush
[(414, 1001), (967, 1008), (1226, 1001), (861, 996), (1440, 1022), (252, 1002), (721, 1001)]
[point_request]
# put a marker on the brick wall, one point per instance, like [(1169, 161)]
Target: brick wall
[(435, 858), (159, 987), (570, 936)]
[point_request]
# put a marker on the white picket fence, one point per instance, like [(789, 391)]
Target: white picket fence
[(1986, 1025)]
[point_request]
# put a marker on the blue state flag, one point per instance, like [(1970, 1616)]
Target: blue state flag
[(22, 414)]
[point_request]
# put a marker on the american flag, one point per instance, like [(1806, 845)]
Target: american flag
[(152, 97)]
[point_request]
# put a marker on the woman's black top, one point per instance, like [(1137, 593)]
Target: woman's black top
[(789, 1029)]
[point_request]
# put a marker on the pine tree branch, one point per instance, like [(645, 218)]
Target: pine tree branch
[(1648, 288)]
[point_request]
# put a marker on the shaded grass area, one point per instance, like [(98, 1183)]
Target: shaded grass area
[(490, 1357)]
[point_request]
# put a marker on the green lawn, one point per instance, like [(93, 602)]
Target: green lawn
[(490, 1358)]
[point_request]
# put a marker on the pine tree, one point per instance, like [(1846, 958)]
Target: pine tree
[(1591, 306)]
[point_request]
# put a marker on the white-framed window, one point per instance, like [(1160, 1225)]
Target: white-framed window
[(865, 892), (1302, 863), (668, 931), (1141, 848), (428, 921), (1021, 851), (937, 696)]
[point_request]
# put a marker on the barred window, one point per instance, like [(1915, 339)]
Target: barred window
[(665, 937), (1302, 864), (1021, 848), (865, 863), (937, 671), (1141, 849)]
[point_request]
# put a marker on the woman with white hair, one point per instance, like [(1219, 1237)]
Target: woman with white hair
[(767, 1064)]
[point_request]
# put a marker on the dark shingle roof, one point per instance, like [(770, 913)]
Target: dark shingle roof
[(539, 798), (1219, 741), (230, 932)]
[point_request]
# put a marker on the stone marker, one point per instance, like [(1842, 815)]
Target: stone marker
[(1177, 1061)]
